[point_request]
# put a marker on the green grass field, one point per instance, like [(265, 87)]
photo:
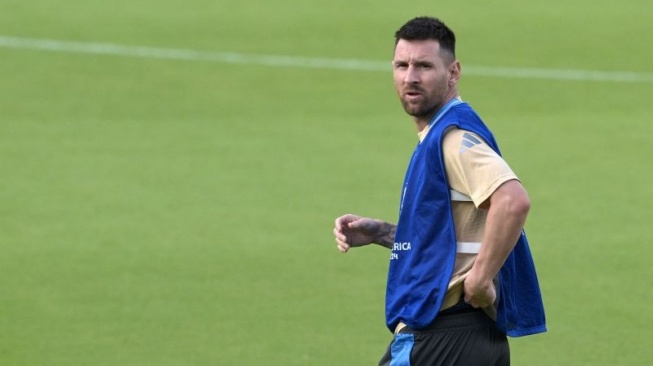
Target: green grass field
[(169, 211)]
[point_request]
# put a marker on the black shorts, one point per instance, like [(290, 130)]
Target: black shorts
[(466, 337)]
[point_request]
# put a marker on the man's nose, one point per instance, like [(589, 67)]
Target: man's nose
[(412, 76)]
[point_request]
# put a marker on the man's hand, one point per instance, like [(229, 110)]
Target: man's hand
[(479, 292), (355, 231)]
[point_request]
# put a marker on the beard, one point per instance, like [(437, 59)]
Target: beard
[(423, 109)]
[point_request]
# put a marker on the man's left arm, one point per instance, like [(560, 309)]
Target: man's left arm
[(508, 207)]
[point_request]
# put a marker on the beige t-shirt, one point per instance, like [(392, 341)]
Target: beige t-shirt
[(474, 171)]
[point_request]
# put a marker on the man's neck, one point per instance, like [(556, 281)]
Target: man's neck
[(422, 122)]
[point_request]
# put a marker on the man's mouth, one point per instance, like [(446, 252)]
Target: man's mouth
[(413, 94), (413, 91)]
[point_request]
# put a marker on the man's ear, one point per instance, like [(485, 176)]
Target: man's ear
[(454, 72)]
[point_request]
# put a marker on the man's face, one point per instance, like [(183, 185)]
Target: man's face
[(422, 77)]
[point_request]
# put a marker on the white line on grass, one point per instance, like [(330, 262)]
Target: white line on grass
[(307, 62)]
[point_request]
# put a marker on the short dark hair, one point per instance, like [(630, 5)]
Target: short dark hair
[(425, 28)]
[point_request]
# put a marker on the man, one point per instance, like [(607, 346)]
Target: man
[(461, 276)]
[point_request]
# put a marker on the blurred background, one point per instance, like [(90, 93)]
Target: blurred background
[(171, 171)]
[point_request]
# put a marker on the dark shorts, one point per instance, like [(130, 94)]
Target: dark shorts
[(466, 337)]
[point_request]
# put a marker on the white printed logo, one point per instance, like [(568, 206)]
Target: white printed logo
[(399, 247)]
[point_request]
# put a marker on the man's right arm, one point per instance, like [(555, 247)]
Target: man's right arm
[(355, 231), (386, 235)]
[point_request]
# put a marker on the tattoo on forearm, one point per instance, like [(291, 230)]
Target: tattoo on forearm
[(386, 235)]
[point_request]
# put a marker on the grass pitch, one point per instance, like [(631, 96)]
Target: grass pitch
[(179, 212)]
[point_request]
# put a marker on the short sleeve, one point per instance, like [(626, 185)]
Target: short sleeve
[(472, 167)]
